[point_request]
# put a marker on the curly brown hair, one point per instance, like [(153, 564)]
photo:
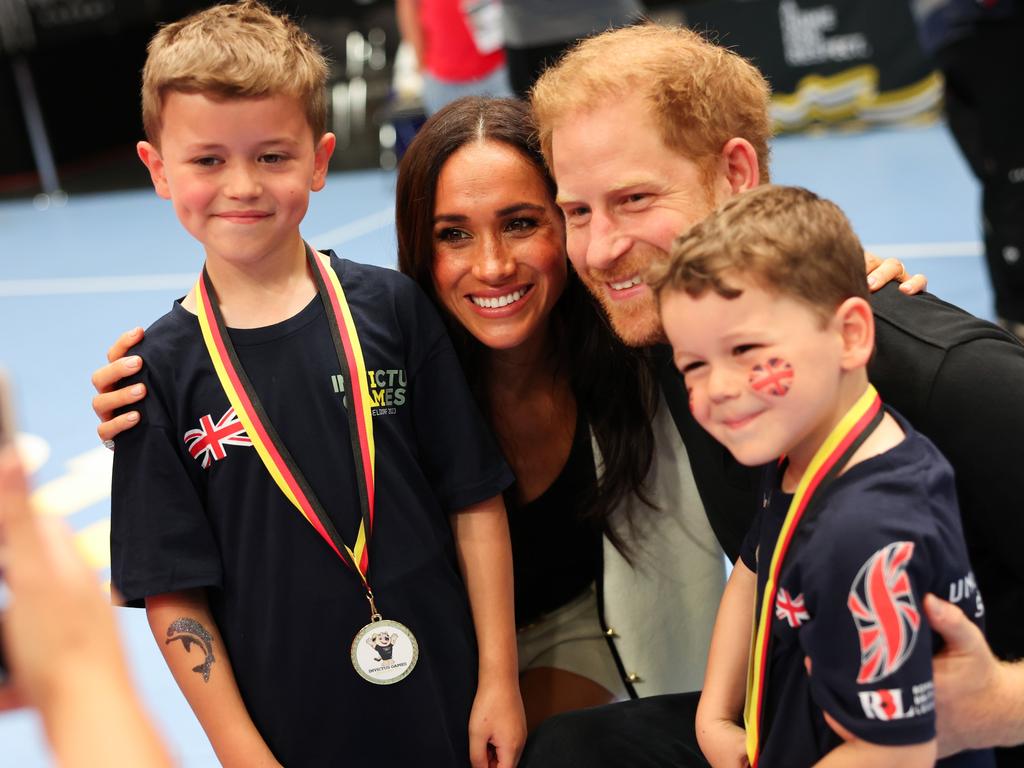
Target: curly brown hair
[(786, 240)]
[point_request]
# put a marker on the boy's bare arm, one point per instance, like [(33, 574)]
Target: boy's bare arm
[(485, 559), (191, 644), (720, 710)]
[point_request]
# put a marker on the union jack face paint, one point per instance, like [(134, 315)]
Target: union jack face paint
[(774, 377)]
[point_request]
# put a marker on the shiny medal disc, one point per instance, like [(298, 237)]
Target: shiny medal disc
[(384, 652)]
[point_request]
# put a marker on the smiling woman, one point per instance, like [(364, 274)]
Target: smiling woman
[(499, 258), (479, 230)]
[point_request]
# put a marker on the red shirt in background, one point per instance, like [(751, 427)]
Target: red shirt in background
[(449, 51)]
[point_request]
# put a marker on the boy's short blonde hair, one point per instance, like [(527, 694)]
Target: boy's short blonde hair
[(786, 240), (237, 50), (701, 94)]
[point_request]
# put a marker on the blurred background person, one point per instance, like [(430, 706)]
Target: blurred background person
[(537, 32), (61, 643), (977, 45), (458, 46)]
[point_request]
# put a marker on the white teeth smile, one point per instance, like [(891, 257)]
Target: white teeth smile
[(498, 301), (626, 283)]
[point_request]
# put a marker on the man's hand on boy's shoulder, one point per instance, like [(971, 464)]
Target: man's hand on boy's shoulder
[(979, 700), (883, 271), (109, 397)]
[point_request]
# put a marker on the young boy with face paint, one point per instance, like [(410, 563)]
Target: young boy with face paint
[(765, 306)]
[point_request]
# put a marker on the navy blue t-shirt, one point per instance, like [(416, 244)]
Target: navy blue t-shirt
[(850, 599), (193, 506)]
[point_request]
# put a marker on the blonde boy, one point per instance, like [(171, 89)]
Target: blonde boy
[(306, 436), (766, 309)]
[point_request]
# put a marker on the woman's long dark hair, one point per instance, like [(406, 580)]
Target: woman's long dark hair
[(612, 383)]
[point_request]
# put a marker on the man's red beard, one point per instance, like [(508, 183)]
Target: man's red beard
[(635, 320)]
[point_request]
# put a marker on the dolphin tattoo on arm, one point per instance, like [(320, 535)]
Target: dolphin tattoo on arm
[(189, 632)]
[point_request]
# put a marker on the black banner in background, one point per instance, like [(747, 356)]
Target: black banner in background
[(829, 61)]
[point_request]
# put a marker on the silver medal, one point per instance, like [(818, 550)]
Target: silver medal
[(384, 652)]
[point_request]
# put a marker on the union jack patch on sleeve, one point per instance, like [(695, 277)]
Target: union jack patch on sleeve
[(790, 608)]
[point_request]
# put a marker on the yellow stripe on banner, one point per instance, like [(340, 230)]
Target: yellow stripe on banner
[(825, 98), (752, 710), (910, 92), (815, 88), (243, 415), (854, 94)]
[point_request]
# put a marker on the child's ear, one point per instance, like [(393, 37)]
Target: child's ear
[(856, 324), (324, 150), (150, 157)]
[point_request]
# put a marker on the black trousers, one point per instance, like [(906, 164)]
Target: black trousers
[(654, 732), (985, 108)]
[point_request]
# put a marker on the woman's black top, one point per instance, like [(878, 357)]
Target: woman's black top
[(556, 550)]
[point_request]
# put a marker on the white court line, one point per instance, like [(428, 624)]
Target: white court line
[(175, 281), (82, 285), (965, 249), (348, 232)]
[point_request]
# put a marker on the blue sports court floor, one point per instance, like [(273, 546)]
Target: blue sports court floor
[(72, 278)]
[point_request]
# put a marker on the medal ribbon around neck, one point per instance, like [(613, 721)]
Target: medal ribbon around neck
[(271, 449), (847, 436)]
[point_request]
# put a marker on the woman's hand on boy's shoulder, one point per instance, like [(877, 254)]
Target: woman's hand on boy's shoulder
[(497, 727), (109, 398)]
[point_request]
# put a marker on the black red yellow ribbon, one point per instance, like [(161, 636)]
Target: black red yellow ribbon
[(268, 444), (830, 459)]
